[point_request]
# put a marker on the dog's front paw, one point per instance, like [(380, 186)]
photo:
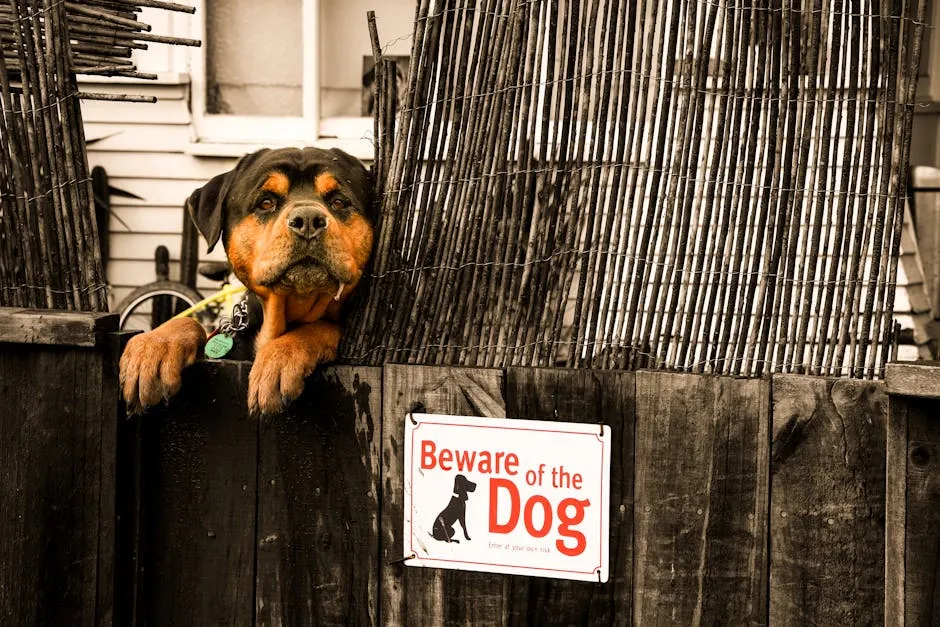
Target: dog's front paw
[(152, 363), (277, 376)]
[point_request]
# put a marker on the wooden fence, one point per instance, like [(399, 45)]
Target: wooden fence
[(733, 501)]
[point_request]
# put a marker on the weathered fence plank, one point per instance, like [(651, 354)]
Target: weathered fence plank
[(828, 499), (318, 504), (919, 379), (922, 520), (115, 584), (912, 528), (585, 396), (126, 468), (424, 596), (198, 476), (701, 500), (57, 423), (895, 508), (55, 327)]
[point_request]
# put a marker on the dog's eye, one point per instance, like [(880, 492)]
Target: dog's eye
[(339, 203), (267, 204)]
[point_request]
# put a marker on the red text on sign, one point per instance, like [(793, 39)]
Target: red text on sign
[(566, 519), (484, 462)]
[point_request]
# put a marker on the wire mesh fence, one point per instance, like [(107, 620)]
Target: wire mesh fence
[(708, 186)]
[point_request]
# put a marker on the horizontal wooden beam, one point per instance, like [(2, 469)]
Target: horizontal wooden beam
[(915, 378), (52, 326)]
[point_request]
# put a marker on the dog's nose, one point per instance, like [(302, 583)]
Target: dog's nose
[(307, 221)]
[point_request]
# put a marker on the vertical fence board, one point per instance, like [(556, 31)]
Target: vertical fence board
[(126, 465), (318, 503), (895, 507), (104, 415), (424, 596), (58, 407), (585, 396), (198, 490), (828, 501), (701, 500), (914, 487)]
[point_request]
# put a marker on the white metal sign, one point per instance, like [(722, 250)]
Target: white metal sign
[(522, 497)]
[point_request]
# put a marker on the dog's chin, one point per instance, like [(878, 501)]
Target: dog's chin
[(305, 277)]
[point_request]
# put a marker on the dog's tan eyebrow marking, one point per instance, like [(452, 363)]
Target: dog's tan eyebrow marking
[(278, 183), (325, 183)]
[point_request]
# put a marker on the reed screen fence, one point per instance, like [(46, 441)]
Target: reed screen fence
[(702, 186), (49, 247)]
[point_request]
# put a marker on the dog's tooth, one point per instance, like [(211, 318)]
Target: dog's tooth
[(339, 292)]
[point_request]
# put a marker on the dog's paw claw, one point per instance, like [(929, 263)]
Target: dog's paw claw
[(276, 378), (152, 363)]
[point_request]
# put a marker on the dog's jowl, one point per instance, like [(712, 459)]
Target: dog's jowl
[(296, 225)]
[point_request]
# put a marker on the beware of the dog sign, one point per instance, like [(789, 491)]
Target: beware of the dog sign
[(523, 497)]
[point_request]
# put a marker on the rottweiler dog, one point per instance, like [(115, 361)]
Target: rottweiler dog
[(296, 225)]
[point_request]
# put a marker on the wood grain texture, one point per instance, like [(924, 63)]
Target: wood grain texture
[(584, 396), (112, 504), (701, 500), (828, 499), (895, 509), (920, 534), (913, 379), (198, 493), (317, 541), (127, 467), (55, 327), (58, 412), (424, 596)]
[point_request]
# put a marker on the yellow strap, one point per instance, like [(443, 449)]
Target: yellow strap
[(222, 294)]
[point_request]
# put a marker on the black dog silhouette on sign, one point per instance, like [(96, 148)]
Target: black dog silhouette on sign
[(456, 511)]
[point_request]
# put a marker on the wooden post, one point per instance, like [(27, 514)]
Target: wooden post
[(912, 526), (58, 436)]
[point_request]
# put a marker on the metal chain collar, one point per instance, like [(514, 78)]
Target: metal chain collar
[(237, 322)]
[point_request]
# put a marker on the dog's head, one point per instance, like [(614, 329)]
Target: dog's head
[(462, 485), (292, 221)]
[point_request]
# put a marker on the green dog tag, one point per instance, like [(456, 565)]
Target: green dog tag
[(218, 346)]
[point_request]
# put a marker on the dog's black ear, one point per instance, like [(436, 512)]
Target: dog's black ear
[(207, 205)]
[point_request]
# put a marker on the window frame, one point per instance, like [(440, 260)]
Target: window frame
[(224, 134), (251, 129)]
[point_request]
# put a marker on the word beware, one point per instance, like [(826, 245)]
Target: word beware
[(483, 462)]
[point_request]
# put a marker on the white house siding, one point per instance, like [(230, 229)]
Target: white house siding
[(143, 147)]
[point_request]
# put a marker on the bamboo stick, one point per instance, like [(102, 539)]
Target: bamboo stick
[(158, 4), (648, 239), (901, 170), (106, 16), (861, 190), (91, 95)]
